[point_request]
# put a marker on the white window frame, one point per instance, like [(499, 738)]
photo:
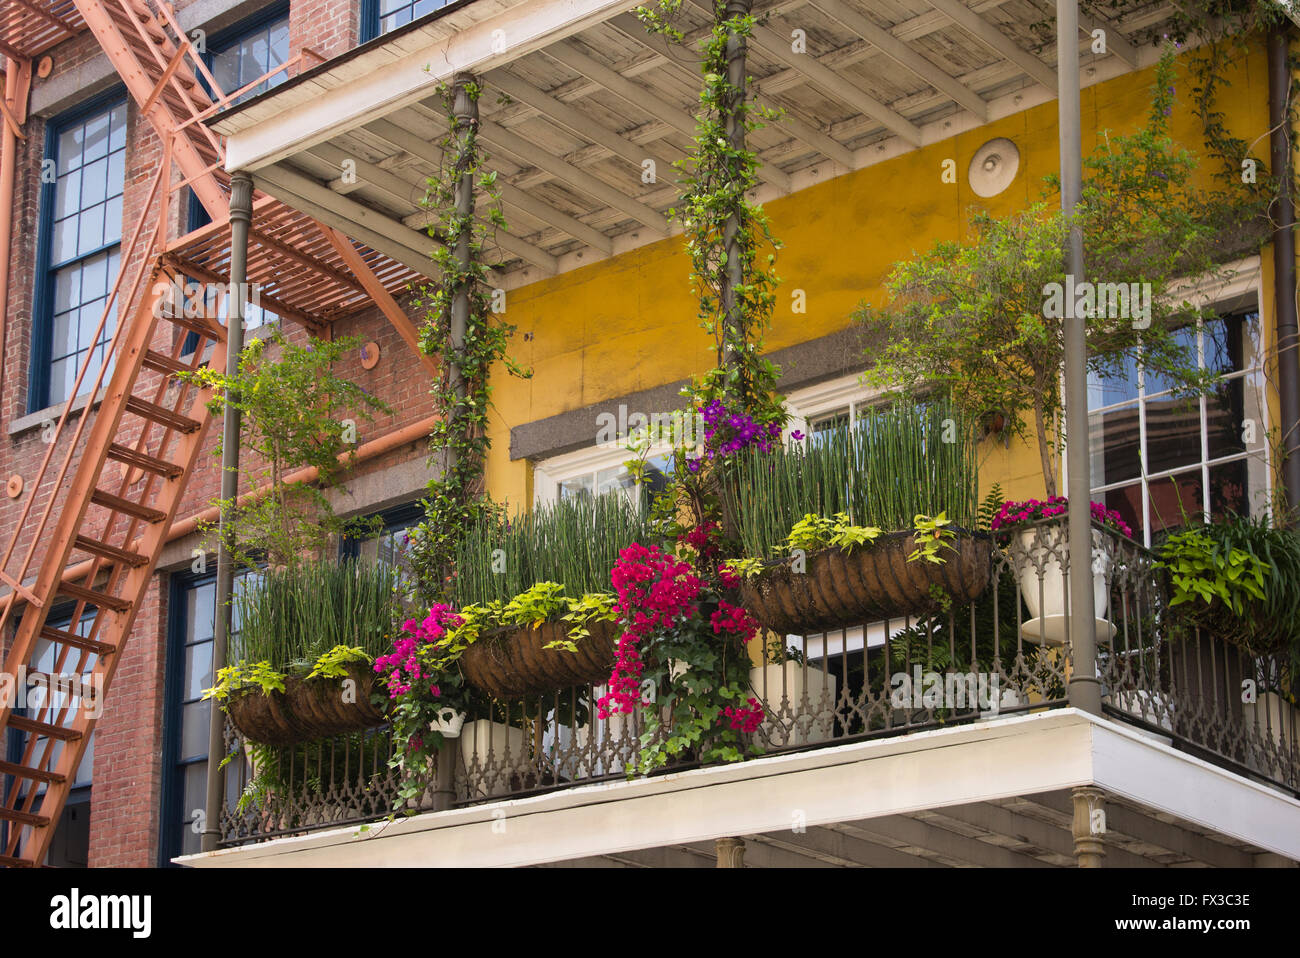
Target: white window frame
[(843, 393), (1242, 288), (548, 474)]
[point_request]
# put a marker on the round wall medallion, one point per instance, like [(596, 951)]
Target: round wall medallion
[(369, 355), (993, 167), (14, 488)]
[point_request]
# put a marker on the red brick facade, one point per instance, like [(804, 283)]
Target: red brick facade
[(129, 762)]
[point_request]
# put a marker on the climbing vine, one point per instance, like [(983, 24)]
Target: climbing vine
[(714, 208), (463, 392)]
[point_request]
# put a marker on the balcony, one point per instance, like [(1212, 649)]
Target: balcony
[(986, 683)]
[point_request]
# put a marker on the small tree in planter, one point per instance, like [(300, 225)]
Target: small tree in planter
[(984, 321), (295, 412)]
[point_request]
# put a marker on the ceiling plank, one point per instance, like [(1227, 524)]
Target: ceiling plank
[(905, 56), (996, 40), (408, 142), (646, 100), (1115, 41), (576, 121), (581, 181), (401, 192)]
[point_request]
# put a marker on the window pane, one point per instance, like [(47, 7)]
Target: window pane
[(579, 486), (1127, 501), (1115, 445), (69, 149), (1173, 433), (63, 244), (67, 194), (1115, 385), (117, 131), (91, 236), (1155, 383), (1229, 489), (194, 798), (198, 670), (194, 729), (1176, 501), (96, 141), (200, 611)]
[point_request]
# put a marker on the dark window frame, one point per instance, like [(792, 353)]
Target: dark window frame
[(38, 383)]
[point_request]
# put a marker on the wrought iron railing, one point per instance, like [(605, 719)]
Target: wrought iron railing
[(1007, 652)]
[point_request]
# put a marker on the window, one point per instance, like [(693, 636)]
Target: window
[(185, 729), (598, 471), (79, 248), (380, 16), (71, 844), (253, 49), (1157, 458), (837, 404), (392, 542)]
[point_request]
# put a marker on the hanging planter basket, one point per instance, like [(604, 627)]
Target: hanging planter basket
[(306, 710), (512, 663), (839, 589)]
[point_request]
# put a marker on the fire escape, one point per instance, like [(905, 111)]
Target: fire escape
[(95, 517)]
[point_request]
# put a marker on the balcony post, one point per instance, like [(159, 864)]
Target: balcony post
[(465, 110), (1088, 825), (241, 214), (1084, 688), (734, 127), (1284, 270), (730, 852)]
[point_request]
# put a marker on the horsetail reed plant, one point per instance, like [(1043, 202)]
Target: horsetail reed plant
[(898, 461), (291, 617), (574, 542)]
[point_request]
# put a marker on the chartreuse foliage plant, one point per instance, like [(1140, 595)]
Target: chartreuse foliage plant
[(295, 412), (1239, 578)]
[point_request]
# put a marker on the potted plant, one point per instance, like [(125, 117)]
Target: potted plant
[(1238, 578), (303, 655), (864, 524), (1039, 553), (535, 590)]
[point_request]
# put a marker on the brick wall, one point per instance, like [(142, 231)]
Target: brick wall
[(129, 763)]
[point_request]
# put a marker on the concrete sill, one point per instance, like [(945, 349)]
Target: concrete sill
[(50, 414)]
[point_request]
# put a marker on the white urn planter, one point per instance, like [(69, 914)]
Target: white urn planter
[(482, 737), (1038, 561), (781, 687), (449, 722)]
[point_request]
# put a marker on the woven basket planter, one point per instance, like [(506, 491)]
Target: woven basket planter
[(513, 663), (840, 589), (306, 710)]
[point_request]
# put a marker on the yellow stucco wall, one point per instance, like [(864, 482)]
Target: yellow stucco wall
[(629, 323)]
